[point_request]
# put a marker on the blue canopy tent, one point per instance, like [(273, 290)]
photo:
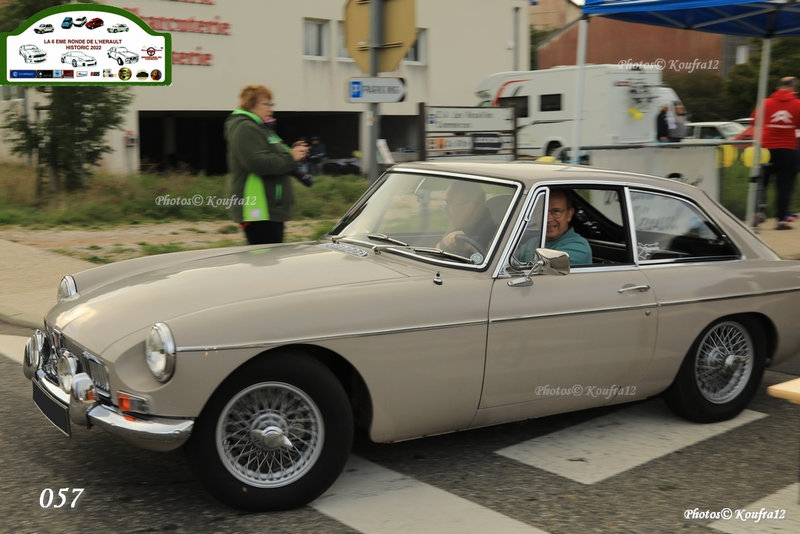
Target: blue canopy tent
[(765, 19)]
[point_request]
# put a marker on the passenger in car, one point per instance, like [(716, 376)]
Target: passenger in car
[(559, 234), (473, 225)]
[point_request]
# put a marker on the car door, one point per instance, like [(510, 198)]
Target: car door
[(566, 342)]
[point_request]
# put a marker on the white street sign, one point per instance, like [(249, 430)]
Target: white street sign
[(374, 90)]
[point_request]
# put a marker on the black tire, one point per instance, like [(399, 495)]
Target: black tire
[(721, 372), (119, 61), (287, 396)]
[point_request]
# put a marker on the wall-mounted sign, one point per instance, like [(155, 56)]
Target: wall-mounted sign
[(85, 44), (475, 133)]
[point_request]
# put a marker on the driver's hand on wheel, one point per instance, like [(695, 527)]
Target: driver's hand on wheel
[(451, 243)]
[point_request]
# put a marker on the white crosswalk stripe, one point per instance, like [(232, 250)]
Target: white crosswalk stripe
[(614, 443), (371, 498)]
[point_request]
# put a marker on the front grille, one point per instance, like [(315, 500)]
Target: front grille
[(87, 363), (96, 371)]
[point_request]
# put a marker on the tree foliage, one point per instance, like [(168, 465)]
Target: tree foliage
[(68, 136)]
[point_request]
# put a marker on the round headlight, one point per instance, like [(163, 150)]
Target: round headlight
[(159, 352), (67, 289), (66, 368)]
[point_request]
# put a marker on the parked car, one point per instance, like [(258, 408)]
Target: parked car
[(122, 55), (705, 131), (78, 59), (66, 23), (117, 28), (32, 53), (262, 359), (43, 28), (94, 23), (79, 21)]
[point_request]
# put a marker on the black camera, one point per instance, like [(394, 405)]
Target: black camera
[(305, 178)]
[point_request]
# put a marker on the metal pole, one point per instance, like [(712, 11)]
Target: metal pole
[(755, 176), (579, 77), (374, 118), (516, 38)]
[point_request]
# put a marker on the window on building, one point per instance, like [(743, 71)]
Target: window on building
[(11, 92), (416, 54), (315, 33), (341, 48)]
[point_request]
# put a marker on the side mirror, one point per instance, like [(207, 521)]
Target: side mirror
[(545, 261)]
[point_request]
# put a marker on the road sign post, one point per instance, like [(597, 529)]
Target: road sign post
[(378, 33)]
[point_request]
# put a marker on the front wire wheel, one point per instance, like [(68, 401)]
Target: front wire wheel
[(721, 372), (275, 435), (270, 434)]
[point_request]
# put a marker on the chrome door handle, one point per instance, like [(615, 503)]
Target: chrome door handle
[(642, 288)]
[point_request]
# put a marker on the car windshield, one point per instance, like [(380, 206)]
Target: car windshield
[(438, 218)]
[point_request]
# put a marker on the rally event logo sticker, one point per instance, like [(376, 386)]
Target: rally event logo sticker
[(80, 44)]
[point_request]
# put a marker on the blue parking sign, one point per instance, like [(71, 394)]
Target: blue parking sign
[(355, 89)]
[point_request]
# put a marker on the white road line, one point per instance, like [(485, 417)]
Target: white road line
[(777, 514), (12, 347), (371, 498), (614, 443)]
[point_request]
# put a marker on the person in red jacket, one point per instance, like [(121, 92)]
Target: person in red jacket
[(781, 120)]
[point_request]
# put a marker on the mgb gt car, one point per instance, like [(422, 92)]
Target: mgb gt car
[(451, 296)]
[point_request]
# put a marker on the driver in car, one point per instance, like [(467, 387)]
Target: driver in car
[(473, 226), (559, 234)]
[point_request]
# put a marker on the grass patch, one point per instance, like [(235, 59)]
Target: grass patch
[(111, 200)]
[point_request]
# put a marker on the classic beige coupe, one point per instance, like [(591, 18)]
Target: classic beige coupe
[(262, 360)]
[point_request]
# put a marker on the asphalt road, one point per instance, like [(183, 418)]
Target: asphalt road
[(631, 468)]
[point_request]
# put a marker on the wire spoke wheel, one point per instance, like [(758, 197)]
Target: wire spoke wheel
[(270, 434), (724, 363)]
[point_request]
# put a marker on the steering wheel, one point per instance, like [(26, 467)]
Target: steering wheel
[(463, 240)]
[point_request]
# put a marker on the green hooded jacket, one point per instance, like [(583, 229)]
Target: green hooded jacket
[(259, 164)]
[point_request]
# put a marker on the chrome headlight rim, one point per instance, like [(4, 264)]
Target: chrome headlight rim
[(159, 352), (67, 289)]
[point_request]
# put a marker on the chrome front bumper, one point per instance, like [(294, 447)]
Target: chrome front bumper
[(82, 407)]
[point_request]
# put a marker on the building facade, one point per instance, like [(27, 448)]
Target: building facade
[(298, 49)]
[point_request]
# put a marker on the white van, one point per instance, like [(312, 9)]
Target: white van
[(620, 105)]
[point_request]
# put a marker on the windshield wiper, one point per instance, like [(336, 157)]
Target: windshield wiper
[(384, 237), (423, 250)]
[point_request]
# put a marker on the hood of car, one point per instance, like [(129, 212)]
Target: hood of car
[(119, 299)]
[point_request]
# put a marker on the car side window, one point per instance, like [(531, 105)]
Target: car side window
[(597, 217), (673, 229)]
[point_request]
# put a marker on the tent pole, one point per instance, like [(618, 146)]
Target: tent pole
[(579, 85), (755, 176)]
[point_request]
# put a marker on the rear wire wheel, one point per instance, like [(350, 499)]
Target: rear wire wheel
[(721, 372)]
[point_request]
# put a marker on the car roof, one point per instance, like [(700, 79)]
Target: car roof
[(532, 173)]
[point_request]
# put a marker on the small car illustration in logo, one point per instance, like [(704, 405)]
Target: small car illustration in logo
[(94, 23), (67, 23), (122, 55), (117, 28), (80, 21), (78, 59), (44, 28), (32, 53)]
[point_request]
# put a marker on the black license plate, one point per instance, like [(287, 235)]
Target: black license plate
[(57, 413)]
